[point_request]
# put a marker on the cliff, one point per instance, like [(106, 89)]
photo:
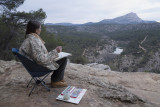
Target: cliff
[(104, 88), (102, 52), (149, 61)]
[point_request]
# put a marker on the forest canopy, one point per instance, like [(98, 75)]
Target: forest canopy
[(13, 25)]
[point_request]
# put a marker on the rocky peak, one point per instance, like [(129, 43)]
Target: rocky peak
[(129, 18), (131, 15)]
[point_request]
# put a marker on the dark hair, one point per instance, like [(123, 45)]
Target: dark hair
[(32, 26)]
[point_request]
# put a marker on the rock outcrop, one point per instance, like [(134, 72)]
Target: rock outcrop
[(102, 52), (131, 63), (99, 66), (104, 89)]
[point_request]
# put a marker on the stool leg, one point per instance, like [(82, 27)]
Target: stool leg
[(29, 81), (45, 86), (32, 89)]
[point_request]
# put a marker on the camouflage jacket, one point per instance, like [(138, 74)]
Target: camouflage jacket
[(34, 49)]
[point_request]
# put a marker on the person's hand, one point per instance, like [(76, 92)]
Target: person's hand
[(59, 49)]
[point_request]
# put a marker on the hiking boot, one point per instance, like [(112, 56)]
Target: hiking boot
[(58, 84), (63, 81)]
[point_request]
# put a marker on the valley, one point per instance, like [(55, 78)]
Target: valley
[(96, 42)]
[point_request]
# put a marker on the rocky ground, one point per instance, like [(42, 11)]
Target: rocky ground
[(104, 88)]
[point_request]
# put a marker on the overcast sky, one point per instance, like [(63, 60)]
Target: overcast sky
[(82, 11)]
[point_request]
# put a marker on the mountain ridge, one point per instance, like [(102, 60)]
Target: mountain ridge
[(130, 18)]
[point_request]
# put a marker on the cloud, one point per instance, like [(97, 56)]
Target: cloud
[(92, 10)]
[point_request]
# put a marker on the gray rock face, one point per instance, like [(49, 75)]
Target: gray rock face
[(99, 66), (131, 63), (114, 92), (128, 63), (101, 53), (153, 64), (102, 89)]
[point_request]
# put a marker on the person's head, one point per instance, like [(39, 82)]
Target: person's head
[(33, 27)]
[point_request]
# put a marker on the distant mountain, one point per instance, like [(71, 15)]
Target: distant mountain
[(130, 18), (126, 22), (63, 24)]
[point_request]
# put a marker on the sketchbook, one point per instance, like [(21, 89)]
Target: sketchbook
[(75, 96), (62, 55)]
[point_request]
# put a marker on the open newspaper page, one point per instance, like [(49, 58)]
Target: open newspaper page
[(62, 55)]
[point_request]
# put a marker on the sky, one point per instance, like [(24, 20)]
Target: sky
[(83, 11)]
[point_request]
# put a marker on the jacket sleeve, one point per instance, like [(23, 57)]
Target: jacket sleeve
[(38, 52)]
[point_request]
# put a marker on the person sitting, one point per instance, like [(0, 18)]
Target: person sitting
[(33, 48)]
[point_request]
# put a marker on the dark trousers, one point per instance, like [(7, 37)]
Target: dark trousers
[(59, 73)]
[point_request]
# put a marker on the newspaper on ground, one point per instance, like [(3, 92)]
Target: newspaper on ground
[(72, 94)]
